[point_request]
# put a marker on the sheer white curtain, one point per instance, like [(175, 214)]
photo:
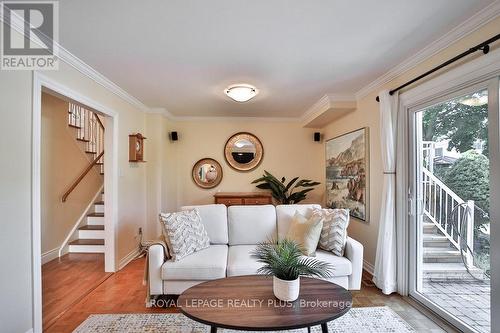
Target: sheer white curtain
[(385, 273)]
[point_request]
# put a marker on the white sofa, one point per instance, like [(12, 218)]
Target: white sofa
[(234, 232)]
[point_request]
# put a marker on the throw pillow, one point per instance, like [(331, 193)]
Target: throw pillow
[(184, 233), (334, 233), (306, 232)]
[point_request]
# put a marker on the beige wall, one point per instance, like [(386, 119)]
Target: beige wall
[(62, 161), (16, 302), (367, 114), (289, 151), (131, 176)]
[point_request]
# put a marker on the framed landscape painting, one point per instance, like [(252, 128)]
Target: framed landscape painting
[(347, 173)]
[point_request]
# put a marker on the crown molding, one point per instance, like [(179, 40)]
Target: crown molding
[(237, 119), (98, 78), (325, 103), (472, 24)]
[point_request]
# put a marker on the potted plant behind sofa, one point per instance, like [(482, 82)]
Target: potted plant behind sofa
[(285, 262), (284, 193)]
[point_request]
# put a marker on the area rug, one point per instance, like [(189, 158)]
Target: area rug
[(357, 320)]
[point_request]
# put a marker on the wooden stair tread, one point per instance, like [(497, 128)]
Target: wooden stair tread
[(87, 242), (96, 215), (83, 140), (99, 203), (74, 126), (92, 227), (90, 152)]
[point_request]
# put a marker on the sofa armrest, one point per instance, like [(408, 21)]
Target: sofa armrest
[(354, 252), (156, 260)]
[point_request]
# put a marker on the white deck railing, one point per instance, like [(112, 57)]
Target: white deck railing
[(438, 203)]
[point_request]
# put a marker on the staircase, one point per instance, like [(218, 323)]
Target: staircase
[(89, 133), (442, 240)]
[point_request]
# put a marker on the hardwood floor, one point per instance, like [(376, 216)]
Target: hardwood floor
[(68, 279), (123, 292)]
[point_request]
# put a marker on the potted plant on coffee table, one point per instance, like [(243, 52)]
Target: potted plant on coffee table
[(283, 259)]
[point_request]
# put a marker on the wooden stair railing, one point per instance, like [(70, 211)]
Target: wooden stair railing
[(82, 175)]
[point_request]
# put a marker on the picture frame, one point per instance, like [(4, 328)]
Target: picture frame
[(347, 162)]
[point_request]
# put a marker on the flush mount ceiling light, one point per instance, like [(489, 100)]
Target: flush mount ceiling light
[(241, 92)]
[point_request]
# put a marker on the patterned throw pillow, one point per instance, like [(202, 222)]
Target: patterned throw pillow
[(184, 233), (306, 232), (334, 233)]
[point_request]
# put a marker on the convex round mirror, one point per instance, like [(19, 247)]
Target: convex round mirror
[(243, 151), (207, 173)]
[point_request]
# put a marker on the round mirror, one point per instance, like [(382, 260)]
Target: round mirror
[(243, 151), (207, 173)]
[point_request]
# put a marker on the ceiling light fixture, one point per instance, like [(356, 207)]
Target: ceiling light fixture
[(241, 92)]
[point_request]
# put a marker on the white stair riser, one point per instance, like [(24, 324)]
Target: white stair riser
[(86, 248), (91, 234), (102, 197), (99, 208), (95, 220)]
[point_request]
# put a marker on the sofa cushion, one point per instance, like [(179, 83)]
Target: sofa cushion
[(207, 264), (250, 225), (341, 265), (285, 214), (334, 231), (214, 218), (240, 262), (184, 233), (306, 232)]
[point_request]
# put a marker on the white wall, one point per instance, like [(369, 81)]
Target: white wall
[(15, 202)]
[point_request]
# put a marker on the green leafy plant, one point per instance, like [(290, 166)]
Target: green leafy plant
[(284, 260), (284, 193)]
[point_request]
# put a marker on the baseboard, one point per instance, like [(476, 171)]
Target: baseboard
[(128, 258), (368, 267), (50, 255)]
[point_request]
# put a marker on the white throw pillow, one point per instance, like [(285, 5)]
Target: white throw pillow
[(306, 232), (184, 233), (334, 233)]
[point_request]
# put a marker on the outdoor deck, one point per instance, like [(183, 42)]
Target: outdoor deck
[(468, 300)]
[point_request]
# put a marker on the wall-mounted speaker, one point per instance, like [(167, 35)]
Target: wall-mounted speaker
[(174, 136), (317, 136)]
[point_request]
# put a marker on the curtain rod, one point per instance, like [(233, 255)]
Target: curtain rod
[(484, 46)]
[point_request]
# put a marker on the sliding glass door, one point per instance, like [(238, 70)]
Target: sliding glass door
[(450, 224)]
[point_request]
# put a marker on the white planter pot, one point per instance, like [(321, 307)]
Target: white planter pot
[(284, 290)]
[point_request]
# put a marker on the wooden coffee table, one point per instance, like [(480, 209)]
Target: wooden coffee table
[(247, 303)]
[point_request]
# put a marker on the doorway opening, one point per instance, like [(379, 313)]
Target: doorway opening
[(99, 212)]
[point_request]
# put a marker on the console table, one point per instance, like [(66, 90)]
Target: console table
[(243, 198)]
